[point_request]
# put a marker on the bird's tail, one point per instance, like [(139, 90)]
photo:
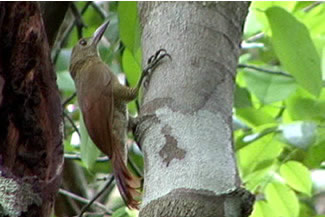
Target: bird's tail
[(126, 182)]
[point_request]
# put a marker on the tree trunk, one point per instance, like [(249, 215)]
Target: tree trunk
[(31, 153), (186, 127)]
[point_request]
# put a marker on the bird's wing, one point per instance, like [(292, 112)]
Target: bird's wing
[(97, 105)]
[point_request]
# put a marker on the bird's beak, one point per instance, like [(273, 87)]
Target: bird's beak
[(99, 33)]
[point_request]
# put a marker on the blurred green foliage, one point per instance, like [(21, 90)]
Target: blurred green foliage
[(283, 109)]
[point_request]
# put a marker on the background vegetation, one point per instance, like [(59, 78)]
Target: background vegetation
[(279, 104)]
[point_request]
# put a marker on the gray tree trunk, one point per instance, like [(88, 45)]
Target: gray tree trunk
[(186, 127)]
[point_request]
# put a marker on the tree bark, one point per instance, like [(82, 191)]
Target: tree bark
[(31, 152), (186, 117)]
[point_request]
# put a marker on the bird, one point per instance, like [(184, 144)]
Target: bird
[(103, 103)]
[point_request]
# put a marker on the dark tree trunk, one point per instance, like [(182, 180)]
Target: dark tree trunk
[(31, 153)]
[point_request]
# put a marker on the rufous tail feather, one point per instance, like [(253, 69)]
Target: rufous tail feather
[(125, 181)]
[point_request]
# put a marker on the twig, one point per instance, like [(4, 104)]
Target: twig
[(69, 99), (78, 19), (84, 209), (67, 33), (255, 37), (99, 10), (312, 6), (264, 70), (78, 157), (84, 200), (72, 123)]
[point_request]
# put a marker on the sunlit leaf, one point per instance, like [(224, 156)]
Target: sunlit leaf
[(282, 200), (269, 87), (297, 176), (262, 209), (254, 117), (125, 212), (297, 54), (131, 67), (258, 152), (129, 30)]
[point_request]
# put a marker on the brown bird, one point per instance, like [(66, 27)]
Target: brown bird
[(103, 103)]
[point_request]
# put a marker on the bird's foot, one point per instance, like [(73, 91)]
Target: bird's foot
[(153, 62)]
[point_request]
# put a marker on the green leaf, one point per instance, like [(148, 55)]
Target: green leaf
[(269, 87), (297, 176), (131, 67), (295, 49), (65, 81), (254, 180), (302, 107), (258, 152), (306, 210), (254, 117), (282, 200), (89, 151), (315, 156), (262, 209), (125, 212), (129, 25), (257, 7), (242, 97), (323, 63)]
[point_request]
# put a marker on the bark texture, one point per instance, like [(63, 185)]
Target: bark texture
[(186, 127), (31, 152)]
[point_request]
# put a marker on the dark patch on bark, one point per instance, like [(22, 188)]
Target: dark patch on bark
[(2, 83), (197, 203), (170, 150), (152, 106), (31, 115)]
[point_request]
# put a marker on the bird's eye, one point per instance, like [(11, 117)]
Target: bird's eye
[(83, 42)]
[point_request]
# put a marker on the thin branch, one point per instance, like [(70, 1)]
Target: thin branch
[(69, 99), (312, 6), (84, 209), (78, 157), (99, 10), (78, 19), (67, 33), (72, 123), (264, 70), (84, 200), (255, 37)]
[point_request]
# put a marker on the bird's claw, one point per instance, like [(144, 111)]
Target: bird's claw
[(153, 62), (161, 53)]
